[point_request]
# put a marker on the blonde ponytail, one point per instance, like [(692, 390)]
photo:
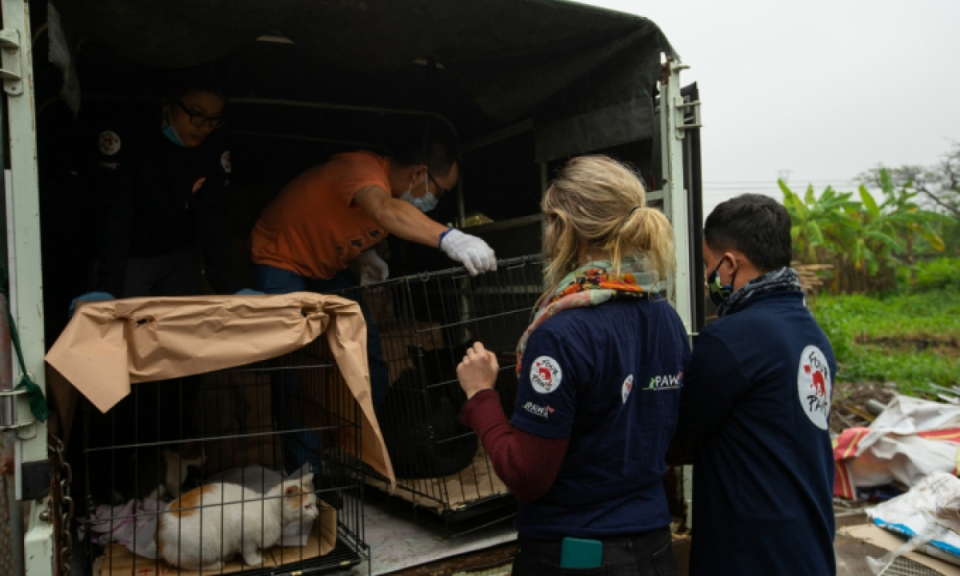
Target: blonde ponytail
[(646, 232), (599, 202)]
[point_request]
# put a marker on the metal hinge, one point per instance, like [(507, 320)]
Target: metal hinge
[(688, 116), (13, 403), (10, 72)]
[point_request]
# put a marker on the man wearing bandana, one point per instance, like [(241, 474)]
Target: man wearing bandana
[(754, 411)]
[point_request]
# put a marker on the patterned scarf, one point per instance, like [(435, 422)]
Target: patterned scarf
[(590, 285), (782, 279)]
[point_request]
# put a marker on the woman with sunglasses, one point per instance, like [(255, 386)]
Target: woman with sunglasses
[(159, 185)]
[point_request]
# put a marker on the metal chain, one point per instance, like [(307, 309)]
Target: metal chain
[(63, 477)]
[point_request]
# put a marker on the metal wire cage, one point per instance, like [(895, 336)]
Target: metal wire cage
[(424, 324), (176, 452)]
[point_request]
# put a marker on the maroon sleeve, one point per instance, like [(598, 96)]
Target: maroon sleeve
[(528, 464)]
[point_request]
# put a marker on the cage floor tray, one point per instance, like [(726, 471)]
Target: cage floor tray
[(453, 493), (118, 560)]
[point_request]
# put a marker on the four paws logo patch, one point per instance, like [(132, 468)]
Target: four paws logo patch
[(109, 142), (814, 386), (545, 375), (626, 388)]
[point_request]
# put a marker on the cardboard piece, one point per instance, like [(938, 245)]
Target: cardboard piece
[(117, 560), (399, 331), (239, 450), (473, 483), (873, 534), (110, 345)]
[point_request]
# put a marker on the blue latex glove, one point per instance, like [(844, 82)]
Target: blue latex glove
[(249, 292), (89, 297)]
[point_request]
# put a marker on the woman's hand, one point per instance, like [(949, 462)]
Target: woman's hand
[(478, 371)]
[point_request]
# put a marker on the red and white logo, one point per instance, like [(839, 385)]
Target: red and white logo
[(109, 142), (627, 387), (545, 375), (814, 386), (225, 162)]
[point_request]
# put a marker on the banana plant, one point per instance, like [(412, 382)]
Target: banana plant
[(906, 216), (866, 236), (818, 225)]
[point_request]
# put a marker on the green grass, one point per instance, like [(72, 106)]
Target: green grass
[(910, 339)]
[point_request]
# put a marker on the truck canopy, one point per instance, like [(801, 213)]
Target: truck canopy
[(526, 84), (583, 75)]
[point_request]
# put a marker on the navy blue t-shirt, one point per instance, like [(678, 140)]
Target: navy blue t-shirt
[(608, 378), (758, 390)]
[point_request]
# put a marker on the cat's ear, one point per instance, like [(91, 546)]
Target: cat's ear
[(307, 480)]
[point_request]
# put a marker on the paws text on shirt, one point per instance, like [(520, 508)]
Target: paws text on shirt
[(537, 410), (666, 382)]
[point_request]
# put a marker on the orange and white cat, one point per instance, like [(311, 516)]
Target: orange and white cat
[(207, 526)]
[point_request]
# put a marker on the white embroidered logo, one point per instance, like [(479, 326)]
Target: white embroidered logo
[(627, 387), (109, 142), (545, 375), (225, 162), (814, 386)]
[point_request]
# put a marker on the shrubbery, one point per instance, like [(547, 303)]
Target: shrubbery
[(939, 274), (909, 338)]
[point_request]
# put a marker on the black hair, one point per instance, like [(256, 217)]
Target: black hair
[(754, 224), (178, 83), (432, 143)]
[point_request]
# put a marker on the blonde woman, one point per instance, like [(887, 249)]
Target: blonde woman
[(600, 370)]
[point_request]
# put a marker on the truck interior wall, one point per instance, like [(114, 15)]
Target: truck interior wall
[(271, 144)]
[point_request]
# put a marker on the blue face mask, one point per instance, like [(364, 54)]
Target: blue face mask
[(171, 133), (718, 292), (425, 203)]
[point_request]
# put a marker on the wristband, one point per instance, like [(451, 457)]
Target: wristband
[(440, 243)]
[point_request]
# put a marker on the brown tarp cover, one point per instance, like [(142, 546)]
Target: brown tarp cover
[(108, 346)]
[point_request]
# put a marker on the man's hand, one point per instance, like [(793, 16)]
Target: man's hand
[(478, 371), (469, 250), (371, 268)]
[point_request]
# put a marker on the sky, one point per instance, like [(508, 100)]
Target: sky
[(814, 91)]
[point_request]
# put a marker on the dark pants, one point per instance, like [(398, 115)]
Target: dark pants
[(646, 554), (160, 411), (273, 280), (179, 273)]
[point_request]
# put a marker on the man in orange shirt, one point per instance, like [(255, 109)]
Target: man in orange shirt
[(336, 212)]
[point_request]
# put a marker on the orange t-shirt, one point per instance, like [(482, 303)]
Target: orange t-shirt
[(313, 227)]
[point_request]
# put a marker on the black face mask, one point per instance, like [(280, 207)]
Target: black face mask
[(719, 292)]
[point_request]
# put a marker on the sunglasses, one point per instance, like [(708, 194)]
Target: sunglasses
[(199, 119), (440, 191)]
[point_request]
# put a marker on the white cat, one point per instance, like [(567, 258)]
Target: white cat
[(234, 519)]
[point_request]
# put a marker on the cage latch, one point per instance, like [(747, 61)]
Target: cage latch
[(10, 72)]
